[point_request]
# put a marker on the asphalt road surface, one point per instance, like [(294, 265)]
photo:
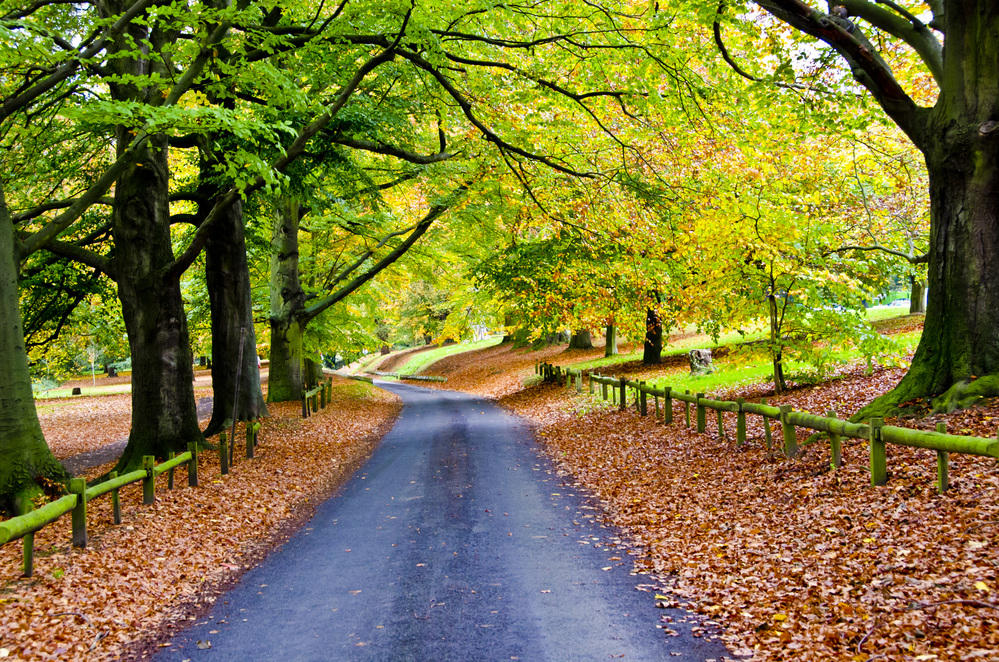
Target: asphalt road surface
[(456, 541)]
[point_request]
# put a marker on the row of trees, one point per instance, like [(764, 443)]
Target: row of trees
[(594, 164)]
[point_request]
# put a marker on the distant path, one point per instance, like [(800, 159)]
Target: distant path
[(77, 465), (456, 541)]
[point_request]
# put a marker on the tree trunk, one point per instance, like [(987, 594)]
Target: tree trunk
[(581, 340), (312, 373), (957, 361), (610, 346), (164, 413), (776, 348), (284, 381), (24, 455), (653, 338), (917, 296), (228, 280)]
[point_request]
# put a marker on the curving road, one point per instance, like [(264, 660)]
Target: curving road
[(456, 541)]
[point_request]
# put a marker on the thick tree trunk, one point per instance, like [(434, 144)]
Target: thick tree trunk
[(653, 338), (164, 413), (580, 339), (24, 455), (228, 279), (917, 296), (312, 373), (610, 337), (284, 381)]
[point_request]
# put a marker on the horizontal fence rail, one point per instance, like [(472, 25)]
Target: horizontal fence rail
[(31, 520), (876, 433), (415, 378)]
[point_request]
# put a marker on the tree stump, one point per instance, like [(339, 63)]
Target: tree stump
[(700, 362), (77, 390)]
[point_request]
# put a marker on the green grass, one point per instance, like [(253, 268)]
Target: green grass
[(99, 390), (421, 360)]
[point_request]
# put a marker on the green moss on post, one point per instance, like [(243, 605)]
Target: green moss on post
[(721, 426), (256, 428), (767, 435), (740, 423), (115, 501), (835, 446), (643, 400), (686, 408), (170, 456), (78, 486), (149, 482), (590, 380), (603, 386), (624, 393), (28, 544), (790, 436), (224, 452), (192, 466), (702, 415), (249, 440), (943, 464), (655, 398), (879, 456), (667, 405)]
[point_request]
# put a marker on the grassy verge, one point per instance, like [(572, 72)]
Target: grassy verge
[(421, 360)]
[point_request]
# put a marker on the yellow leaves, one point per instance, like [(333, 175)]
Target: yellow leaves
[(982, 586)]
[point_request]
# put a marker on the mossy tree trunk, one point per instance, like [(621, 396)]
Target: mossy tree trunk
[(164, 412), (581, 339), (229, 293), (284, 380), (610, 340), (917, 296), (24, 455)]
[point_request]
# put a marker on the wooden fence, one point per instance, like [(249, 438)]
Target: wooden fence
[(415, 378), (876, 433), (316, 399), (75, 503)]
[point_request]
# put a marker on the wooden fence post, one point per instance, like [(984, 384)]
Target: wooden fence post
[(721, 426), (624, 393), (78, 486), (305, 406), (115, 501), (535, 366), (702, 415), (149, 482), (579, 382), (943, 464), (27, 543), (192, 466), (224, 452), (667, 405), (170, 456), (655, 398), (790, 436), (249, 440), (767, 436), (835, 446), (879, 456), (740, 423), (603, 386), (322, 397), (590, 380), (686, 408), (643, 400)]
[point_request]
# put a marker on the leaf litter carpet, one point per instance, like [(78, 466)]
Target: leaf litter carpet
[(787, 559), (134, 584)]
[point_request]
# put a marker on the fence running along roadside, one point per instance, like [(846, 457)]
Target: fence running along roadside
[(416, 378), (75, 503), (876, 433)]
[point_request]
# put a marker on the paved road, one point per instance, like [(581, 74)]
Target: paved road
[(456, 541)]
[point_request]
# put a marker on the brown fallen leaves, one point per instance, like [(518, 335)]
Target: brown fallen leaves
[(795, 561), (138, 581)]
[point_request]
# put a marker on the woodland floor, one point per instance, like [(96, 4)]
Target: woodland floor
[(791, 560), (165, 564)]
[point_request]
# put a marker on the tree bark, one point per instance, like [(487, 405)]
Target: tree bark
[(610, 336), (581, 339), (917, 296), (164, 412), (284, 381), (653, 338), (229, 293), (24, 455)]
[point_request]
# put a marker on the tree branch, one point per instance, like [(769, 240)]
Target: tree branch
[(912, 259), (390, 150), (29, 214), (435, 212), (192, 251), (81, 255), (906, 27)]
